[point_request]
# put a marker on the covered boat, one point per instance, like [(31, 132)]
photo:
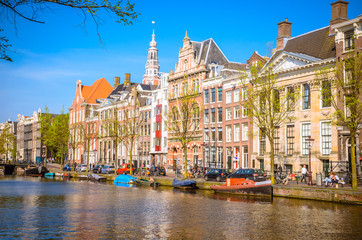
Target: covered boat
[(95, 177), (36, 171), (125, 179), (245, 187), (184, 184)]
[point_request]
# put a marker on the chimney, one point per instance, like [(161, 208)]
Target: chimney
[(284, 33), (117, 81), (339, 12), (127, 79)]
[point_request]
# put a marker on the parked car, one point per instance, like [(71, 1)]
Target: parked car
[(157, 171), (248, 173), (107, 169), (125, 169), (97, 169), (67, 167), (81, 168), (217, 174)]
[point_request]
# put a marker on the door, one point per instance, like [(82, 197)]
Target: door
[(325, 167), (261, 164)]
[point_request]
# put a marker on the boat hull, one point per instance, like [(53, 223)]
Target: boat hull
[(36, 172), (259, 188), (184, 184)]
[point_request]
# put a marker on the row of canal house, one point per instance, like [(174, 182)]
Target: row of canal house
[(226, 137)]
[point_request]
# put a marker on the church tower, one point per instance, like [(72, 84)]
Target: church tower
[(152, 67)]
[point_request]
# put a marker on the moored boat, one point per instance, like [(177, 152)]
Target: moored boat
[(148, 183), (245, 187), (36, 171), (95, 177), (184, 184), (49, 174), (125, 179)]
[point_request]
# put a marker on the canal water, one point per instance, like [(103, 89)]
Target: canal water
[(39, 208)]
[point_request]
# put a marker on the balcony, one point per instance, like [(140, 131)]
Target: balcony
[(157, 148), (158, 133), (159, 118)]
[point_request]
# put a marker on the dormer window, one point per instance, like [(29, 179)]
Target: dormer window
[(348, 40)]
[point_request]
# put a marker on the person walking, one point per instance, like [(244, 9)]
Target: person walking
[(304, 174)]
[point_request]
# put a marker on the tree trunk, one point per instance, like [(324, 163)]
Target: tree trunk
[(353, 161), (88, 155), (272, 178), (185, 163), (61, 162), (115, 156), (130, 158)]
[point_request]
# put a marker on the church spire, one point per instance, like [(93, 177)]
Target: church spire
[(151, 75)]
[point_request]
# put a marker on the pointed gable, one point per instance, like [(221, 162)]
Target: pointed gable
[(99, 89)]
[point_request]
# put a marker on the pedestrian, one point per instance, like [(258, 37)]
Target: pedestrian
[(304, 173)]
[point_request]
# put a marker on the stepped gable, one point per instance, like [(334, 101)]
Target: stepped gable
[(317, 44), (99, 89)]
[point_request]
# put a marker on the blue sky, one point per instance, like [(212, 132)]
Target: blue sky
[(51, 57)]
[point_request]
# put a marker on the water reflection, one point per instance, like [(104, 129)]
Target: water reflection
[(45, 208)]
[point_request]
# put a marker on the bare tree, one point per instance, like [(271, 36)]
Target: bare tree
[(34, 11), (183, 119), (268, 104), (345, 81)]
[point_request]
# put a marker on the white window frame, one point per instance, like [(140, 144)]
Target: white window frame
[(236, 132), (228, 97), (236, 112), (236, 95), (228, 133), (228, 114), (245, 130), (330, 137), (305, 151)]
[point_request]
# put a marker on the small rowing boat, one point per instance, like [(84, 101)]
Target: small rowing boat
[(244, 187), (184, 184)]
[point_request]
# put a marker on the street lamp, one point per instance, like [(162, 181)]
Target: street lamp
[(310, 144)]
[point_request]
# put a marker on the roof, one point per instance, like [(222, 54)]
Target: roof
[(99, 89), (209, 52), (317, 44)]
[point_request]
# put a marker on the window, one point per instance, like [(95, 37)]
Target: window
[(219, 98), (276, 100), (348, 40), (228, 133), (245, 156), (206, 95), (213, 134), (276, 140), (245, 131), (228, 114), (290, 140), (326, 93), (236, 112), (326, 138), (206, 136), (262, 142), (228, 97), (219, 134), (206, 116), (219, 157), (207, 155), (290, 98), (236, 95), (306, 96), (212, 95), (305, 135), (244, 93), (213, 155), (213, 115), (236, 132), (219, 115), (244, 112), (195, 84)]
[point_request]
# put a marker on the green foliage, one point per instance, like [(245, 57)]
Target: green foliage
[(267, 107), (184, 118), (33, 10), (345, 80), (7, 140)]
